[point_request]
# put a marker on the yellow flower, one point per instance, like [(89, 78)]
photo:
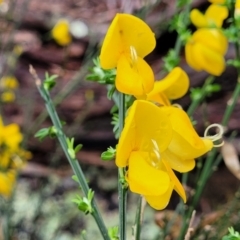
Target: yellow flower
[(60, 32), (7, 182), (9, 82), (175, 85), (11, 153), (10, 136), (237, 8), (213, 17), (127, 42), (237, 5), (8, 96), (12, 156), (205, 51), (154, 141)]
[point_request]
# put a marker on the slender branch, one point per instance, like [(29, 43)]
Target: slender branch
[(139, 218), (73, 162), (122, 190)]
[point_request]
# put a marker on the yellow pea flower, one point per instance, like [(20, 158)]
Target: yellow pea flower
[(127, 42), (8, 96), (205, 51), (237, 5), (60, 32), (9, 82), (154, 141), (7, 182), (10, 136), (237, 8), (213, 17), (175, 85)]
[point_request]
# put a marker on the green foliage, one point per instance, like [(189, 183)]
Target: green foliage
[(171, 60), (234, 62), (232, 33), (179, 23), (182, 3), (97, 74), (49, 81), (71, 150), (197, 93), (109, 154), (233, 235), (46, 132), (113, 233), (85, 203), (115, 123)]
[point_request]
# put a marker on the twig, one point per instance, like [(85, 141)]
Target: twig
[(190, 228)]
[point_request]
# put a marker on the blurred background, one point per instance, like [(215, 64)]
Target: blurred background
[(42, 206)]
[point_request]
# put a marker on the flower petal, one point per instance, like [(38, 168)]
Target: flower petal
[(174, 85), (144, 124), (211, 38), (210, 61), (177, 163), (144, 178), (161, 201), (134, 78), (159, 98), (60, 32), (216, 14), (191, 58), (7, 181), (126, 31), (185, 141), (198, 19), (177, 185)]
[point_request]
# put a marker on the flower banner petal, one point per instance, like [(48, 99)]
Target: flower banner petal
[(126, 31)]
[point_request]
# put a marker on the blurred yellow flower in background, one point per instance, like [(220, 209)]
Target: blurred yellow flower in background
[(7, 182), (9, 82), (127, 42), (8, 96), (12, 156), (61, 33), (154, 141), (7, 86), (205, 50)]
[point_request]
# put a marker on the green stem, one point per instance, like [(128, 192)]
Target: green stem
[(122, 190), (73, 162), (138, 219), (209, 163), (196, 102)]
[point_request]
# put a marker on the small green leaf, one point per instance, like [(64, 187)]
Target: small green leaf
[(113, 233), (109, 154), (74, 177), (46, 132), (49, 81), (42, 133), (78, 148), (85, 204)]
